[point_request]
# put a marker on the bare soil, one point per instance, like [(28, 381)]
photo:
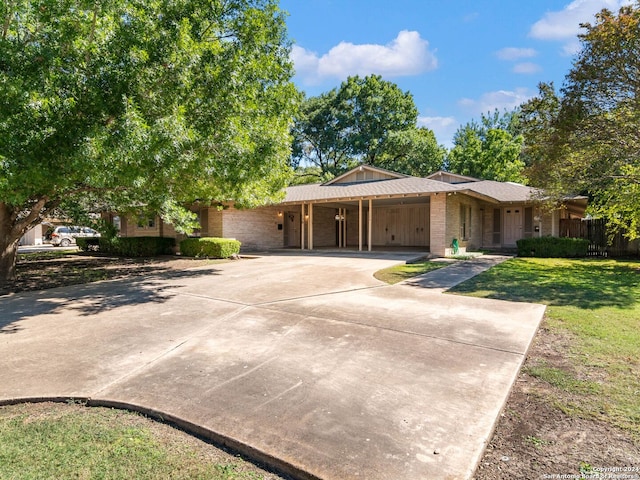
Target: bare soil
[(534, 438), (43, 271)]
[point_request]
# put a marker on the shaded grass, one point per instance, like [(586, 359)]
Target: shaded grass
[(398, 273), (85, 443), (596, 304)]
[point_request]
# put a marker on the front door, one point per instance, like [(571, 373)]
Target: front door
[(512, 225), (292, 229)]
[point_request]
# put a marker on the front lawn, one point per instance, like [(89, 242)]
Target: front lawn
[(47, 441), (595, 304)]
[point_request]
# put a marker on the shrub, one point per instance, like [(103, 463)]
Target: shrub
[(553, 247), (88, 244), (137, 246), (209, 247)]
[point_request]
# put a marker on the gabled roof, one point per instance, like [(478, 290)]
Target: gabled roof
[(449, 177), (391, 184), (375, 173)]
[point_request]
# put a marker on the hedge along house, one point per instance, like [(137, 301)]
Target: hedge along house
[(370, 208)]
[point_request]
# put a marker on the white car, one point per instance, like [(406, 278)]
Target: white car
[(66, 235)]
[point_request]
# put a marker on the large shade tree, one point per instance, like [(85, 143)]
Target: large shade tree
[(366, 120), (587, 138), (489, 150), (151, 103)]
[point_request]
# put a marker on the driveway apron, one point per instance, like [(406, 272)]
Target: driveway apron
[(303, 361)]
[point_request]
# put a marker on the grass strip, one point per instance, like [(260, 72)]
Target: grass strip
[(53, 441), (398, 273)]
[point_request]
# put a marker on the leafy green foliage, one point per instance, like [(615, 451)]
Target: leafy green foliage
[(558, 247), (125, 103), (365, 120), (586, 141), (414, 151), (137, 246), (87, 244), (210, 247), (489, 150)]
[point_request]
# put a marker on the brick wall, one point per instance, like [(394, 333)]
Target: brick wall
[(211, 219), (324, 226), (256, 228), (474, 229), (438, 224), (139, 227)]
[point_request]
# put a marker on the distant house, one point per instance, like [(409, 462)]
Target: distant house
[(371, 208)]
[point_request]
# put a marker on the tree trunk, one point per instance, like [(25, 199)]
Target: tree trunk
[(15, 222), (8, 246), (8, 256)]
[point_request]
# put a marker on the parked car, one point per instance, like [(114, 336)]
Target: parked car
[(66, 235)]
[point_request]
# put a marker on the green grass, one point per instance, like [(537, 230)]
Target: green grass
[(60, 441), (595, 303), (43, 255), (398, 273)]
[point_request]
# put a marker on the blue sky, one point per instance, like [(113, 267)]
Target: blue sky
[(459, 58)]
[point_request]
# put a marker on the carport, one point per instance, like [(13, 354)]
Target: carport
[(365, 207)]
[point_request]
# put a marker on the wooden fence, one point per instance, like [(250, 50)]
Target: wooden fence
[(595, 230)]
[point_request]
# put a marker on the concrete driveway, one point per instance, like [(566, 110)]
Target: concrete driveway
[(304, 361)]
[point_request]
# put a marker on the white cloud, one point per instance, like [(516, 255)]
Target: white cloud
[(407, 54), (526, 68), (511, 53), (500, 100), (565, 24), (443, 127)]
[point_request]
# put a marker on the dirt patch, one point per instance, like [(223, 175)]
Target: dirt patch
[(534, 438), (40, 272)]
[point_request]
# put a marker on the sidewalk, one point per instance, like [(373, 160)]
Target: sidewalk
[(459, 271)]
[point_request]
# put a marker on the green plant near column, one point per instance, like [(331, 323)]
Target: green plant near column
[(211, 247)]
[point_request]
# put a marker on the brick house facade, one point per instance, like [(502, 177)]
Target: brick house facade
[(370, 208)]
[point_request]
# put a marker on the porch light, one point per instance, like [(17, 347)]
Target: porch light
[(280, 213)]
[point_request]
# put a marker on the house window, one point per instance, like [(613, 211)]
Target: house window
[(465, 222), (528, 222), (146, 222), (497, 226)]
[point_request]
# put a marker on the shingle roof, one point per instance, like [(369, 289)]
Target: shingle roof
[(498, 191), (396, 186), (502, 191)]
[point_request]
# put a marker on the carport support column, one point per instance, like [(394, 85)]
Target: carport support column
[(360, 225), (310, 226), (438, 224), (370, 224), (302, 225)]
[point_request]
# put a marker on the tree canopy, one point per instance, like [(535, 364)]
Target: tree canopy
[(365, 120), (489, 150), (586, 140), (139, 103)]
